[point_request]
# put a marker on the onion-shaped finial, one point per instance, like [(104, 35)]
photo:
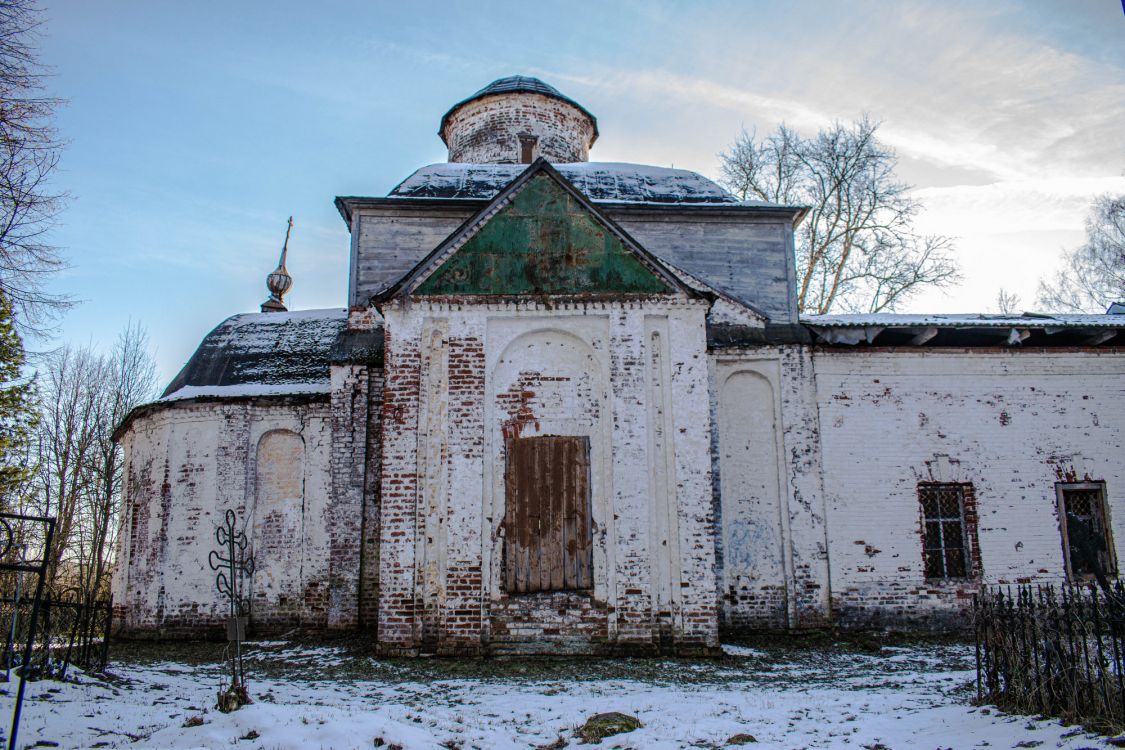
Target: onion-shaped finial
[(279, 282)]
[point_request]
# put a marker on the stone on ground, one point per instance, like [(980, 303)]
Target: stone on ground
[(600, 726)]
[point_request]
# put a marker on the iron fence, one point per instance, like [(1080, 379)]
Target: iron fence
[(1054, 650), (71, 630)]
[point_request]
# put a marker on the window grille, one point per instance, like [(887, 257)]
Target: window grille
[(1087, 540), (945, 546)]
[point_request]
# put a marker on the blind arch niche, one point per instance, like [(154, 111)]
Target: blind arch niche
[(279, 527)]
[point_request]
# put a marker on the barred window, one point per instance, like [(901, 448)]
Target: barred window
[(945, 545), (1087, 540)]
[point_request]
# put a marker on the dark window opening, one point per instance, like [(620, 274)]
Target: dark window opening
[(133, 521), (1087, 540), (547, 530), (945, 546), (529, 148)]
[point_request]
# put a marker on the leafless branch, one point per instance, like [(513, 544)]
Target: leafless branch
[(1091, 276), (857, 249), (29, 153)]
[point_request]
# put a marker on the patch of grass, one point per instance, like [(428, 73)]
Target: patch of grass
[(776, 661), (600, 726)]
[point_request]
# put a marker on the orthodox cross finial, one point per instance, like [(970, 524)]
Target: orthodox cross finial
[(279, 281)]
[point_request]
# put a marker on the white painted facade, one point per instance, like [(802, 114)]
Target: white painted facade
[(630, 378), (749, 470), (185, 466), (871, 426), (1011, 423)]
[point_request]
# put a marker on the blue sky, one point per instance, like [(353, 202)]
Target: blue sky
[(196, 128)]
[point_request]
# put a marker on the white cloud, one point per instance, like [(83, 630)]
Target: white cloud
[(1012, 206)]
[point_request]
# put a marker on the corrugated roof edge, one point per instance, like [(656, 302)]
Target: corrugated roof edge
[(963, 320), (1031, 330)]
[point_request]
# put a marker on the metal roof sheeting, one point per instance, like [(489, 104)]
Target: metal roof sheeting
[(960, 320), (265, 349), (1030, 329)]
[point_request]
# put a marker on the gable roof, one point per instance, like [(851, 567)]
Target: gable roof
[(432, 263)]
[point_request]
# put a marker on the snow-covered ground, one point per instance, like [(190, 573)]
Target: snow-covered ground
[(336, 696)]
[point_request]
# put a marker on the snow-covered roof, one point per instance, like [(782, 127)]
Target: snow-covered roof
[(247, 390), (966, 329), (599, 181), (278, 351), (963, 320)]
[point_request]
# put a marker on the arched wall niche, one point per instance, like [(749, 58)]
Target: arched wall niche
[(753, 554), (279, 526), (547, 381)]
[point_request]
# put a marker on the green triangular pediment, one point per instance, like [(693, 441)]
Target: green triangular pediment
[(546, 240)]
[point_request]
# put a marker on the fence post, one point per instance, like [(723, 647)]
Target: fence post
[(976, 637), (50, 523)]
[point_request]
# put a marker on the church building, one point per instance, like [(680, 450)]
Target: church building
[(571, 407)]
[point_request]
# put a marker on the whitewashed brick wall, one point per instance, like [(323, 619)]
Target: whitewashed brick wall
[(487, 131), (459, 380), (772, 544), (1008, 421), (186, 464)]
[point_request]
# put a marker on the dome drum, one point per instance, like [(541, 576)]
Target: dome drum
[(515, 121)]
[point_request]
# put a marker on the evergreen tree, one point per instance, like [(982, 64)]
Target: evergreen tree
[(18, 412)]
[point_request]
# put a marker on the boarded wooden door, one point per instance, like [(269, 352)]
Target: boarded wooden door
[(547, 520)]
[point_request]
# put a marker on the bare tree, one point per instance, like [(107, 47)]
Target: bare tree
[(130, 381), (29, 153), (1092, 276), (1007, 303), (72, 382), (85, 398), (856, 250)]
